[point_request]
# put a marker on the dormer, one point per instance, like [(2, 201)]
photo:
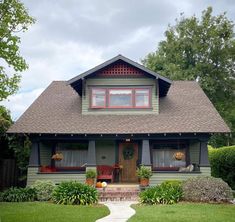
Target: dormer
[(120, 86)]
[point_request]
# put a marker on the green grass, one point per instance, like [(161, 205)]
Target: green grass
[(184, 212), (49, 212)]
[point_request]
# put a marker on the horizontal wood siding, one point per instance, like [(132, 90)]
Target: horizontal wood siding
[(194, 151), (120, 82), (105, 152), (45, 154), (206, 171), (33, 175), (158, 178)]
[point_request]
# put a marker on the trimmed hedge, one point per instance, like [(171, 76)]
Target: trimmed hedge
[(222, 161), (44, 189), (206, 189)]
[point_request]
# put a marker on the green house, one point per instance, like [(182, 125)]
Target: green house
[(119, 114)]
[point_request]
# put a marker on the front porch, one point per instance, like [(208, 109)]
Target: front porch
[(124, 153)]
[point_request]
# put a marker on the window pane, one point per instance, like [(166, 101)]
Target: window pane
[(98, 97), (166, 158), (142, 97), (74, 154), (120, 97)]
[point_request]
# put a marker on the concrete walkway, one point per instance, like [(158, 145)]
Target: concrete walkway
[(119, 211)]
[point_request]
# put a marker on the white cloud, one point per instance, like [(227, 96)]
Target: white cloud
[(18, 103), (70, 37)]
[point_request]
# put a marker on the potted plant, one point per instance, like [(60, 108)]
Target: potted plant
[(90, 177), (144, 173)]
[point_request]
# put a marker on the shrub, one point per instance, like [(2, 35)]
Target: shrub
[(90, 174), (43, 189), (176, 183), (144, 172), (222, 162), (14, 194), (74, 193), (166, 193), (206, 189)]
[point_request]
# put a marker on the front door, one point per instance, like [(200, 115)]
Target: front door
[(128, 156)]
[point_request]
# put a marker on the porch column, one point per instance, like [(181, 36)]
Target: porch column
[(145, 157), (91, 160), (204, 160), (34, 159)]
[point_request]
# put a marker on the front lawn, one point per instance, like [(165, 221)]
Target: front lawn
[(49, 212), (184, 212)]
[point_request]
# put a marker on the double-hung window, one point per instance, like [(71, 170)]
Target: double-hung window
[(120, 98), (98, 98)]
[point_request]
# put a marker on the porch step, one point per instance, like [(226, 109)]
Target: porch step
[(119, 193)]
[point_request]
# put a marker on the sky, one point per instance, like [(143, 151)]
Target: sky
[(72, 36)]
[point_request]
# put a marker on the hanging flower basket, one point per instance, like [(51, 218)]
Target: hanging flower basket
[(179, 155), (57, 156)]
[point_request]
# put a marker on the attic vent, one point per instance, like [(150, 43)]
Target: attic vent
[(120, 69)]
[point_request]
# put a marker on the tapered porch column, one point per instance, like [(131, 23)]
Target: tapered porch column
[(204, 159), (145, 157), (34, 159), (91, 159), (34, 162)]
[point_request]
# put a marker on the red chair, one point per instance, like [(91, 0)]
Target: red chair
[(105, 172)]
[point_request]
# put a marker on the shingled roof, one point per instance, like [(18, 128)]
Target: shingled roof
[(185, 109)]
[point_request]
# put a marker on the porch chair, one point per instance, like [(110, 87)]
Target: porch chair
[(105, 172)]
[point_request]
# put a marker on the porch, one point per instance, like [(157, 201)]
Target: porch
[(123, 153)]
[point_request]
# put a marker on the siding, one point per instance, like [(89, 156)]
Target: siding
[(159, 177), (120, 82), (33, 175), (105, 149), (45, 154), (194, 151)]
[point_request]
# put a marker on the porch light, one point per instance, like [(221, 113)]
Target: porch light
[(128, 140), (179, 155)]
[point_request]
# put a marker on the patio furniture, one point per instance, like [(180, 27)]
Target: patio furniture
[(105, 172)]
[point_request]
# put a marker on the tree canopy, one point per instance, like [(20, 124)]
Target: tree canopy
[(203, 50), (14, 19)]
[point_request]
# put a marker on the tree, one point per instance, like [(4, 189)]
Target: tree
[(14, 18), (203, 50), (14, 146)]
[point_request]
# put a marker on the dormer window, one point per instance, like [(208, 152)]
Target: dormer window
[(98, 98), (120, 98)]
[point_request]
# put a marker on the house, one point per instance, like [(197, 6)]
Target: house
[(119, 114)]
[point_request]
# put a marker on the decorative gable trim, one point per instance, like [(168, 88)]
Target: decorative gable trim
[(120, 69), (164, 83)]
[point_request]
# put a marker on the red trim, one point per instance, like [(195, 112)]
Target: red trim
[(133, 98), (92, 95)]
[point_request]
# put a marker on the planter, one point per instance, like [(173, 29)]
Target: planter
[(144, 182), (47, 169), (90, 181)]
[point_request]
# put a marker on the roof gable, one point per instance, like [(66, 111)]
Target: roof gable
[(120, 66)]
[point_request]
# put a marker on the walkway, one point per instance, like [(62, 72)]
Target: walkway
[(119, 211)]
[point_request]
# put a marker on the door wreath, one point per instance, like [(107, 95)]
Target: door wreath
[(128, 153)]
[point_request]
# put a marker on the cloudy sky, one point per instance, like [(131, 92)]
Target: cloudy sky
[(71, 36)]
